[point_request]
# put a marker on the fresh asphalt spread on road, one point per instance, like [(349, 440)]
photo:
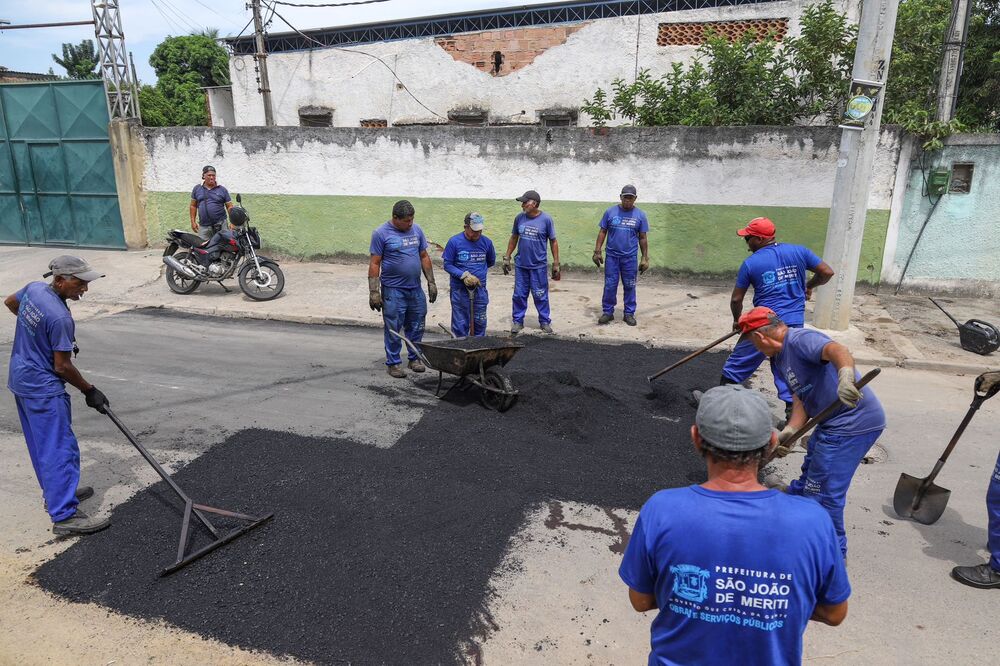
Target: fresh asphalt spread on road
[(387, 530)]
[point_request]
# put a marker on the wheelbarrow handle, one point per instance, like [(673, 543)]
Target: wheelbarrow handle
[(412, 347)]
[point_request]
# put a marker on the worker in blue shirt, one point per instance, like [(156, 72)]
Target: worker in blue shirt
[(532, 230), (819, 371), (467, 257), (777, 273), (734, 570), (41, 362), (625, 227), (398, 256), (210, 204)]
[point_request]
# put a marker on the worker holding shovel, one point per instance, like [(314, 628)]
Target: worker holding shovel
[(819, 372), (467, 257)]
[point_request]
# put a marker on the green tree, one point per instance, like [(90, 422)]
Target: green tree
[(183, 66), (79, 60), (916, 61), (822, 58), (979, 91)]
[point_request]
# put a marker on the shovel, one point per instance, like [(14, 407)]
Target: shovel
[(692, 355), (921, 499)]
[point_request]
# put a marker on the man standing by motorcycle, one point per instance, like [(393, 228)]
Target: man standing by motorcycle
[(209, 204), (398, 256)]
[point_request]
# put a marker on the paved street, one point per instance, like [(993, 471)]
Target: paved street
[(556, 597)]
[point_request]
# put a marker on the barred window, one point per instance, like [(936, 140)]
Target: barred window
[(694, 34)]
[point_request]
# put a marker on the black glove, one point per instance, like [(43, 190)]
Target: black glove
[(374, 295), (506, 266), (96, 399), (432, 291)]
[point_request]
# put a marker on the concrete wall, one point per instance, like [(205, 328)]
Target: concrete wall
[(220, 106), (318, 191), (959, 251), (545, 67)]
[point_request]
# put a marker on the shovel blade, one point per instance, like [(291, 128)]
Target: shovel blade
[(922, 504)]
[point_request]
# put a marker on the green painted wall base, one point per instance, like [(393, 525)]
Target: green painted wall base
[(697, 240)]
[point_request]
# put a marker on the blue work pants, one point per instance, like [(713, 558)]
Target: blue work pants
[(403, 310), (624, 269), (830, 463), (460, 310), (54, 451), (536, 282), (993, 511), (744, 360)]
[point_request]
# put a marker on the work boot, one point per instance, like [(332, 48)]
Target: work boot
[(516, 328), (546, 329), (630, 320), (396, 371), (982, 576), (416, 365), (80, 523), (606, 318), (82, 493)]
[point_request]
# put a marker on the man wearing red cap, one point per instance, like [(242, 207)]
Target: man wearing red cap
[(778, 274), (819, 371)]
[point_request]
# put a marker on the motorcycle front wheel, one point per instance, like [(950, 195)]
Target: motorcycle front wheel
[(262, 285), (178, 283)]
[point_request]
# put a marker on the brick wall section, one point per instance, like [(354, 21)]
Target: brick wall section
[(519, 47)]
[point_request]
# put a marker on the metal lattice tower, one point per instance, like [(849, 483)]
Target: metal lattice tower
[(119, 81)]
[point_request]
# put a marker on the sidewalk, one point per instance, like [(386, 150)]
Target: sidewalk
[(906, 331)]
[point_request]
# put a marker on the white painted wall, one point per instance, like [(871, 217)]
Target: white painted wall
[(791, 166), (360, 87)]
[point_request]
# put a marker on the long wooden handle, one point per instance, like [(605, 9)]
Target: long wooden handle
[(831, 408), (693, 355)]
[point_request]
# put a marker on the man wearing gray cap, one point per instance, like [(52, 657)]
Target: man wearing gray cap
[(41, 362), (733, 568), (467, 257)]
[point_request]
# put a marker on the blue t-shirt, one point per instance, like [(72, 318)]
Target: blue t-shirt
[(211, 203), (533, 235), (44, 326), (778, 275), (461, 254), (736, 575), (814, 381), (400, 252), (623, 227)]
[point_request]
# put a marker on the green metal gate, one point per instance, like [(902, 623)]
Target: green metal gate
[(57, 179)]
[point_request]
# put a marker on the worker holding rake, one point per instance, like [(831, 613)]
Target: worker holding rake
[(819, 372)]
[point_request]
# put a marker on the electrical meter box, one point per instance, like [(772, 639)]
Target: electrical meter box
[(937, 181)]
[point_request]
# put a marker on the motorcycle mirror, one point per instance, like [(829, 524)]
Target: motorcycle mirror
[(239, 199)]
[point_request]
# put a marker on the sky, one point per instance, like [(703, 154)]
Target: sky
[(148, 22)]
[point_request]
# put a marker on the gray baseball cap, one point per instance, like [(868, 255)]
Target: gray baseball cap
[(475, 221), (734, 418), (69, 266)]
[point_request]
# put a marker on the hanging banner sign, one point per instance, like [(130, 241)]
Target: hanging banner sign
[(861, 103)]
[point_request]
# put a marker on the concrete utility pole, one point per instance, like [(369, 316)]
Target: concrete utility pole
[(846, 227), (951, 61), (261, 57)]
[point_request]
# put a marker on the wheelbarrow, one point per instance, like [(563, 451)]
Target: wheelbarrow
[(478, 361)]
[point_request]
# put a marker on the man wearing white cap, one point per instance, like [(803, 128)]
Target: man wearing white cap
[(41, 362), (735, 570), (467, 257)]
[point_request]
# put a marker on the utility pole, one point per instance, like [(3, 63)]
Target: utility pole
[(264, 84), (846, 226), (951, 60)]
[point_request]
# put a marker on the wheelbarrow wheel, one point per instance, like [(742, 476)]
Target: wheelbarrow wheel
[(500, 402)]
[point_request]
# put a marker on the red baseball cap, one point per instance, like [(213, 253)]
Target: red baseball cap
[(758, 226), (756, 318)]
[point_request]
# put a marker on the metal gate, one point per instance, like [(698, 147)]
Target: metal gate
[(57, 179)]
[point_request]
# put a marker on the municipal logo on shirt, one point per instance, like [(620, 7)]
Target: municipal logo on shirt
[(393, 243), (690, 582), (769, 277), (463, 255)]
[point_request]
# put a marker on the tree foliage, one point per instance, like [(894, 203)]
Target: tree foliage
[(747, 81), (183, 65), (79, 60), (979, 94)]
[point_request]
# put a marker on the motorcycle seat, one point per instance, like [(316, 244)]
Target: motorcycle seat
[(193, 240)]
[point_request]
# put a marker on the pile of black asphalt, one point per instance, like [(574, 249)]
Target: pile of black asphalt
[(384, 555)]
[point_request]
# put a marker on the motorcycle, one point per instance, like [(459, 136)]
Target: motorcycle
[(227, 253)]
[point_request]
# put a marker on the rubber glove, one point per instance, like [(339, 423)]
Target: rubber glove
[(506, 265), (432, 291), (643, 265), (598, 259), (96, 399), (848, 393), (374, 295), (556, 273), (469, 280)]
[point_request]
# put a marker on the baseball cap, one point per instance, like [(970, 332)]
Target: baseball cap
[(205, 169), (756, 318), (475, 221), (628, 190), (70, 266), (758, 226), (530, 194), (734, 418)]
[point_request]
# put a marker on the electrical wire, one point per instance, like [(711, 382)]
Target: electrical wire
[(330, 4), (179, 14), (370, 55), (166, 18)]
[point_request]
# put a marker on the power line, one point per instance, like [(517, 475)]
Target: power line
[(166, 18), (181, 16), (364, 53), (330, 4)]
